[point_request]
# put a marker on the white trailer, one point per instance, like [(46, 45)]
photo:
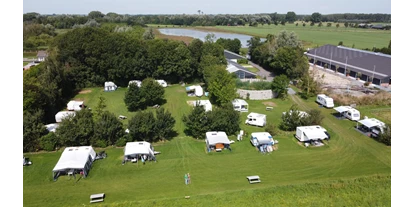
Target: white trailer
[(205, 103), (373, 125), (325, 100), (240, 105), (110, 86), (63, 115), (162, 83), (308, 133), (348, 112), (256, 119), (136, 82), (262, 138), (75, 105), (198, 90)]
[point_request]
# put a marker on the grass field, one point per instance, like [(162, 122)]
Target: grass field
[(350, 170), (313, 36)]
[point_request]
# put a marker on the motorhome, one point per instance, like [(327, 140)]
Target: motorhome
[(310, 133), (256, 119), (325, 100), (348, 112), (240, 105)]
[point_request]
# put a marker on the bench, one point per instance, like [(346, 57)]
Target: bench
[(97, 197), (268, 108), (253, 179), (218, 150)]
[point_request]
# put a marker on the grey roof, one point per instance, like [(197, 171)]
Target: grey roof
[(232, 55), (41, 53), (240, 67), (357, 60)]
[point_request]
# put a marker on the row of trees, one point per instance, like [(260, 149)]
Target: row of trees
[(68, 21)]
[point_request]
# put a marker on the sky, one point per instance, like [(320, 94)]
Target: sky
[(207, 7)]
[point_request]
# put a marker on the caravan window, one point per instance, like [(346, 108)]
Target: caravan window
[(349, 114), (356, 115)]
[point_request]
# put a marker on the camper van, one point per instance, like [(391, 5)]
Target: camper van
[(348, 112), (256, 119), (324, 100), (240, 105), (310, 133)]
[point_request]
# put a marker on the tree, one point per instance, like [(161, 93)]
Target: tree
[(134, 98), (290, 17), (287, 39), (108, 129), (329, 24), (33, 129), (320, 24), (222, 87), (291, 119), (164, 124), (289, 61), (314, 117), (385, 136), (337, 25), (152, 92), (346, 24), (316, 17), (308, 85), (196, 122), (224, 119), (210, 38), (279, 86), (312, 24), (149, 34), (95, 15), (101, 105), (297, 24), (141, 126), (340, 43), (77, 130), (304, 24), (49, 142)]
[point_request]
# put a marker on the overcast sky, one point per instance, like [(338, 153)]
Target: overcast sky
[(208, 7)]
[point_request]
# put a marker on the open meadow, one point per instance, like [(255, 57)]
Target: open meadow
[(350, 170)]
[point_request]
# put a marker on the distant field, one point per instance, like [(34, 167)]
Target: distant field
[(360, 38), (350, 170)]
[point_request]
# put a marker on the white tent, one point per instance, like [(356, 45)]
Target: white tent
[(52, 127), (75, 160), (110, 86), (205, 103), (136, 149), (198, 90), (64, 114), (137, 82), (75, 105)]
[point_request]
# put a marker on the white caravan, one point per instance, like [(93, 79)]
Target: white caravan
[(262, 138), (198, 90), (162, 83), (205, 103), (348, 112), (110, 86), (75, 105), (240, 105), (325, 100), (256, 119), (136, 82), (308, 133), (63, 115), (373, 125)]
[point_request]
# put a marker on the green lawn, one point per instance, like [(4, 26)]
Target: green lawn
[(286, 173)]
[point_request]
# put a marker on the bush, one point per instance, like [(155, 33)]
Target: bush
[(49, 141), (259, 85), (121, 142), (100, 143), (242, 61), (272, 129)]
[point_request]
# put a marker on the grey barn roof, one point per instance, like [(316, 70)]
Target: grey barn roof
[(232, 55), (239, 67), (357, 60)]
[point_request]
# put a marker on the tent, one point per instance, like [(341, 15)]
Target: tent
[(134, 150), (75, 105), (217, 140), (64, 114), (110, 86), (205, 103), (52, 127), (75, 160), (198, 90)]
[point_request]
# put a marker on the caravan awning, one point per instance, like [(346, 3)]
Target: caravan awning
[(74, 158), (315, 134), (341, 109), (369, 123)]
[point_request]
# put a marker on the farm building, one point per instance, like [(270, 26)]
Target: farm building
[(110, 86), (74, 160), (135, 151), (240, 105), (370, 64), (240, 71), (137, 82), (217, 141), (229, 55), (64, 114), (75, 105)]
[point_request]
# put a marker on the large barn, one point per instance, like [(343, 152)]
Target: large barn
[(369, 64)]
